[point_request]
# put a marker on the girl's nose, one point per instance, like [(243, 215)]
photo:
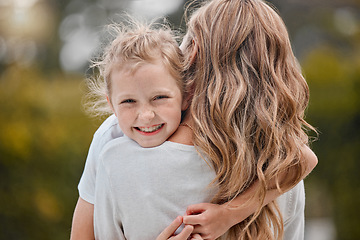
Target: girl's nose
[(146, 114)]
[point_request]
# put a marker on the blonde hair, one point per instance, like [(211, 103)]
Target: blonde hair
[(249, 98), (135, 43)]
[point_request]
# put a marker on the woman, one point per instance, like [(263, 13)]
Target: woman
[(246, 118)]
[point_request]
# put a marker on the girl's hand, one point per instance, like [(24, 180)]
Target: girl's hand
[(209, 220), (168, 233)]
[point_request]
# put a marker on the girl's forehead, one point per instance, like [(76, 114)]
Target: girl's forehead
[(131, 67)]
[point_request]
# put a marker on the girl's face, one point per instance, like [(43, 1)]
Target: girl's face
[(147, 102)]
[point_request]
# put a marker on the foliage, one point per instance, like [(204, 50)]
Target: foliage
[(44, 138), (334, 80), (44, 135)]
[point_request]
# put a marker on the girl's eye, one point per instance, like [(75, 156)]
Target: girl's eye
[(160, 97), (128, 101)]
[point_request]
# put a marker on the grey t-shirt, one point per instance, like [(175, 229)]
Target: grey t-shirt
[(108, 131), (140, 191)]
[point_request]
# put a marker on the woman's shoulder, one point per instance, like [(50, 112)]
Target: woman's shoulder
[(109, 129)]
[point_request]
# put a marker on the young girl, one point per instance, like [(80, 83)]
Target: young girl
[(258, 138), (145, 186)]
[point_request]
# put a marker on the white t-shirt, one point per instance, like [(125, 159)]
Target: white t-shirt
[(140, 191), (292, 208), (108, 131), (291, 204)]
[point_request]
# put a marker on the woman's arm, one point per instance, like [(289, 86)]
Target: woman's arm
[(212, 220), (82, 224)]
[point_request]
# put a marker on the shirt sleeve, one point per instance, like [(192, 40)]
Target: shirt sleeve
[(107, 224), (108, 130), (294, 215)]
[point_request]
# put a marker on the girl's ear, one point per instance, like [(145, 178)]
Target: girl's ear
[(194, 51), (186, 101), (109, 102)]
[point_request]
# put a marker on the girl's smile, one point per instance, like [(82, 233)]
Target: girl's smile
[(150, 130)]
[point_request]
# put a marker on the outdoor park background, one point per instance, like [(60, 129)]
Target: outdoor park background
[(45, 135)]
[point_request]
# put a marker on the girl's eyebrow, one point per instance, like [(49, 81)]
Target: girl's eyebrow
[(162, 91)]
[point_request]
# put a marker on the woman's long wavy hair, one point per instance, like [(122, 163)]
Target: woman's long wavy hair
[(249, 98)]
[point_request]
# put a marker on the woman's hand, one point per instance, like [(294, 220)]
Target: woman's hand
[(185, 234), (209, 220)]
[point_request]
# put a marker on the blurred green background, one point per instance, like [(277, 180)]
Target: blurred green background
[(44, 134)]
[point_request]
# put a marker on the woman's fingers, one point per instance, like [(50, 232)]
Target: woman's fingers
[(168, 233), (196, 208), (170, 230), (185, 233), (196, 237)]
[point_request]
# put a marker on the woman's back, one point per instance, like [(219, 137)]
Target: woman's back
[(147, 188)]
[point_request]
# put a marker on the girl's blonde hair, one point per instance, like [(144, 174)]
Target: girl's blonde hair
[(135, 43), (249, 98)]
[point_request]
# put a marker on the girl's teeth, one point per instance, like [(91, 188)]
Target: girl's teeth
[(150, 129)]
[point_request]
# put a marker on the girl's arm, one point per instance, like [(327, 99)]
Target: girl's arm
[(212, 220), (82, 225)]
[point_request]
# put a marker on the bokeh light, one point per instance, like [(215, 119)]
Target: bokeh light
[(24, 26), (80, 31)]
